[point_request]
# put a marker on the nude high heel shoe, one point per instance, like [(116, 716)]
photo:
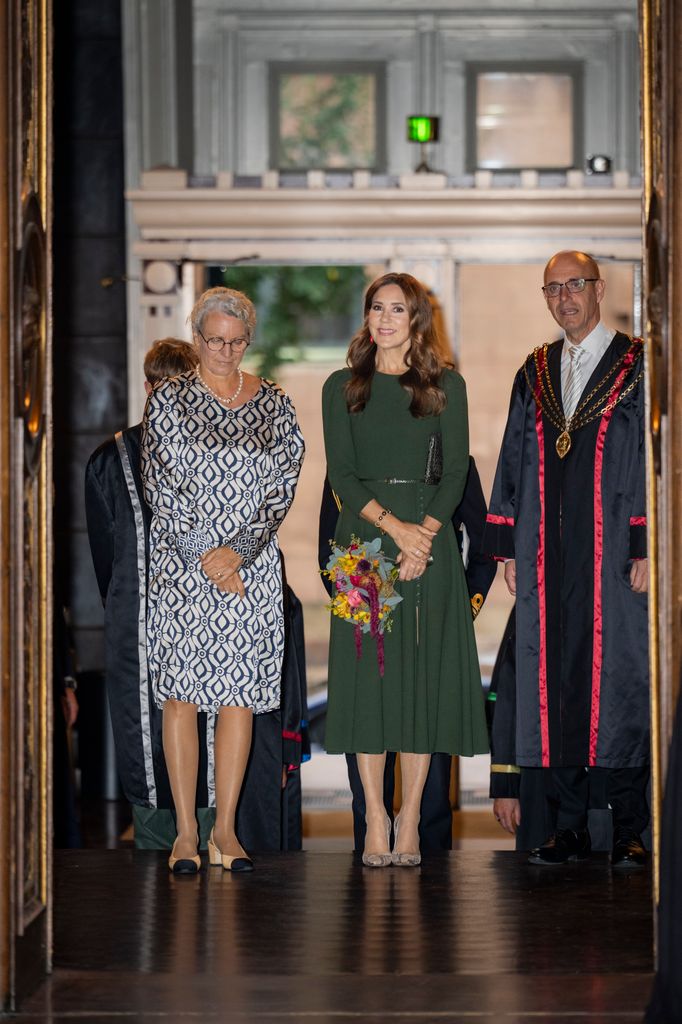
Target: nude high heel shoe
[(216, 858), (183, 865), (403, 860), (379, 860)]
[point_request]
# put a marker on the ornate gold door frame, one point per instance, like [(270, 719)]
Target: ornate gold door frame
[(25, 496), (661, 44)]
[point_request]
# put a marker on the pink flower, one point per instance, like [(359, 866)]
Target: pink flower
[(354, 598), (355, 580)]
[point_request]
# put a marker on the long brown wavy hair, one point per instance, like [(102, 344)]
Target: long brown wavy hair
[(424, 359)]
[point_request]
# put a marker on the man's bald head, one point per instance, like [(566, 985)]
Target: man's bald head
[(589, 265)]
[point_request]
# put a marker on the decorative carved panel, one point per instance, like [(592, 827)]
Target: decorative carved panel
[(32, 610), (661, 40), (25, 497)]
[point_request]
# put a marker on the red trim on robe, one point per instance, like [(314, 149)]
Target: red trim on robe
[(287, 735), (597, 632), (637, 520), (499, 520), (542, 597)]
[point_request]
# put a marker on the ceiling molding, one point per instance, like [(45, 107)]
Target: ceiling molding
[(205, 224)]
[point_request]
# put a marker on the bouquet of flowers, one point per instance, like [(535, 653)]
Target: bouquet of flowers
[(362, 578)]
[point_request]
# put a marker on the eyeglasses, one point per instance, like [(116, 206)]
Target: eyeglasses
[(572, 286), (217, 344)]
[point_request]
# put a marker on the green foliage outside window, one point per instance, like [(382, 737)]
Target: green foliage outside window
[(298, 306), (327, 121)]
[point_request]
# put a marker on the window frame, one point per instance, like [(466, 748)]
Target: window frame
[(573, 69), (278, 68)]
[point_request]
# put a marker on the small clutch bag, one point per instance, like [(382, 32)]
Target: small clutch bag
[(434, 459)]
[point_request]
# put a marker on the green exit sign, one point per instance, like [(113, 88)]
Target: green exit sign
[(422, 129)]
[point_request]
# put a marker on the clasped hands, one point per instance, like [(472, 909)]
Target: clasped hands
[(222, 565), (414, 541)]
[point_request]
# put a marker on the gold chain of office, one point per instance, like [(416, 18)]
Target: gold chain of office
[(583, 413)]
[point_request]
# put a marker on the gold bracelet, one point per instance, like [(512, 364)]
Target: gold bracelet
[(384, 512)]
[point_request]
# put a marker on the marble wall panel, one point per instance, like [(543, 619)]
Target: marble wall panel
[(85, 308), (90, 374), (100, 20), (91, 383), (93, 186), (95, 93)]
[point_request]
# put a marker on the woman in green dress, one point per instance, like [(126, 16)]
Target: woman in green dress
[(396, 439)]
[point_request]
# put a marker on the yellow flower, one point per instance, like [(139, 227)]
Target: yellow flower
[(347, 564)]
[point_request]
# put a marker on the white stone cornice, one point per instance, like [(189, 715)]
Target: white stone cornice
[(316, 214)]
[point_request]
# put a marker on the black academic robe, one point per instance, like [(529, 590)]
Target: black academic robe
[(500, 709), (118, 527), (573, 525)]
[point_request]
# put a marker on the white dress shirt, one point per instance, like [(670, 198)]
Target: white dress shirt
[(593, 346)]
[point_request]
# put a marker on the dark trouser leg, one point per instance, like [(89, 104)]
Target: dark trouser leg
[(538, 808), (572, 789), (627, 795), (359, 808), (435, 826)]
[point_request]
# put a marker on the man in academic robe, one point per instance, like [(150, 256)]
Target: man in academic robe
[(568, 517), (435, 825), (118, 522)]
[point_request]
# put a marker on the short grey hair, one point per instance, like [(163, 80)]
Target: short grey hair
[(227, 301)]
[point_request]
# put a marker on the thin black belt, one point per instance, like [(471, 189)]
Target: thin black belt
[(391, 480)]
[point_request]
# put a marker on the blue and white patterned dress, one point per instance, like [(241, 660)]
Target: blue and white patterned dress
[(215, 476)]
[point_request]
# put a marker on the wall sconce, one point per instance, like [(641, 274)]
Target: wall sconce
[(423, 129), (598, 164)]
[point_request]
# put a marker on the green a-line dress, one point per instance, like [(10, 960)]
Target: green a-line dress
[(430, 697)]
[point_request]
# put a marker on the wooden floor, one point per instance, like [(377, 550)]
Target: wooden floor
[(317, 938)]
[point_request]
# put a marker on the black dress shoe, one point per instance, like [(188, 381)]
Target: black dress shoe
[(564, 845), (628, 851)]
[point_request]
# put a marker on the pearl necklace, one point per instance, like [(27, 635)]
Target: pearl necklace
[(220, 398)]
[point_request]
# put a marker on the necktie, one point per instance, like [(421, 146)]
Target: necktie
[(574, 381)]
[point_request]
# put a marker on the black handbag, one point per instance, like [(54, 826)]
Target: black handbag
[(434, 459)]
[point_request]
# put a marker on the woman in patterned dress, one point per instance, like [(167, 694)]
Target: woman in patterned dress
[(221, 456), (384, 417)]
